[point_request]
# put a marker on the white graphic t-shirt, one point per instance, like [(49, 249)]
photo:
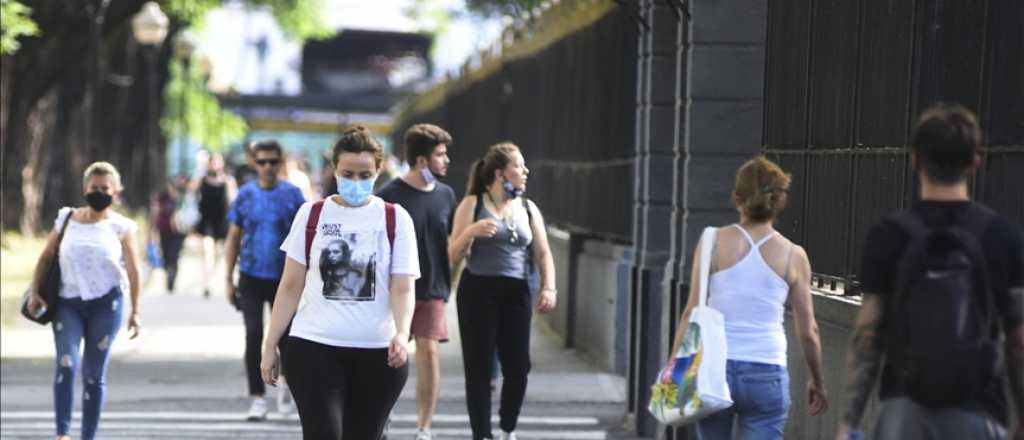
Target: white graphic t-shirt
[(346, 301)]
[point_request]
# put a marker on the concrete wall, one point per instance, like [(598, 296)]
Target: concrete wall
[(595, 322), (835, 317), (558, 240), (602, 287)]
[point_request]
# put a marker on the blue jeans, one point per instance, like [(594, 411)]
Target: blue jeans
[(760, 395), (97, 321)]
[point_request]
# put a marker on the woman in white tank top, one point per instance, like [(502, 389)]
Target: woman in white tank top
[(754, 271)]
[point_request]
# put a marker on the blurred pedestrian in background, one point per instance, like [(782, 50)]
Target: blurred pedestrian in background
[(163, 228), (259, 218), (294, 171), (216, 190)]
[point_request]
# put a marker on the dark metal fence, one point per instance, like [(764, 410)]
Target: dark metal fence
[(570, 107), (845, 81)]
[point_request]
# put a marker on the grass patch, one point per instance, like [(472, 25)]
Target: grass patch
[(18, 255)]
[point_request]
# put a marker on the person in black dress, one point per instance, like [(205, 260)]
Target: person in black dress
[(216, 191)]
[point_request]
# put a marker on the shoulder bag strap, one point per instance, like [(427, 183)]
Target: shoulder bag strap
[(389, 218), (60, 235), (311, 222), (707, 240), (529, 217)]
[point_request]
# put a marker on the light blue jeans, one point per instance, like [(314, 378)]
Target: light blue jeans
[(760, 395), (96, 321)]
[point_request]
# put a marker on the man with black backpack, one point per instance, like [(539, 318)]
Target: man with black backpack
[(941, 316)]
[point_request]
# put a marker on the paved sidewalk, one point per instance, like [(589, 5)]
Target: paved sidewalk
[(185, 374)]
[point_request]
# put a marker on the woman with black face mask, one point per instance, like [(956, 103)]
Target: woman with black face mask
[(500, 235), (98, 264)]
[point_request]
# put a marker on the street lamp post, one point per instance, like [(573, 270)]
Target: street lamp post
[(149, 27), (184, 46)]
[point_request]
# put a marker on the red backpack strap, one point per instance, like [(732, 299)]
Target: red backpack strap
[(389, 216), (314, 219)]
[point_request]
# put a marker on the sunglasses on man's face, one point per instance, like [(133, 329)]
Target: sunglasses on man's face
[(265, 162)]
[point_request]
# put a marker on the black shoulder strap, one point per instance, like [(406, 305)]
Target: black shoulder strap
[(910, 222), (976, 219), (60, 236), (478, 207), (529, 213)]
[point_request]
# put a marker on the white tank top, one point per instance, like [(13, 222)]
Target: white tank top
[(751, 296), (91, 257)]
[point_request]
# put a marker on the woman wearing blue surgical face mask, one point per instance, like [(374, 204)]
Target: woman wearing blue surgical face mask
[(95, 249), (502, 236), (352, 259)]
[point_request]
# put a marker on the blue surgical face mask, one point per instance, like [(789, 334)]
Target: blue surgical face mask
[(355, 192), (510, 190), (428, 175)]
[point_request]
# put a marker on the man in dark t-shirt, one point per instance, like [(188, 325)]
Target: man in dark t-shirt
[(431, 205), (945, 153)]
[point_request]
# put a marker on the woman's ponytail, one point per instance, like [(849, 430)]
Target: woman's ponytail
[(475, 185), (481, 175)]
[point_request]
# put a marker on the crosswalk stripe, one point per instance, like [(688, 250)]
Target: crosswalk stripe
[(149, 429), (230, 417)]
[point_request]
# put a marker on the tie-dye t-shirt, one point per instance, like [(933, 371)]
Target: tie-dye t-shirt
[(265, 216)]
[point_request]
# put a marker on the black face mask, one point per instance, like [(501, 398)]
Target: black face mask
[(99, 200)]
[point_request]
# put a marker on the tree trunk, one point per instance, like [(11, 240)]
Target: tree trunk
[(68, 102), (35, 173)]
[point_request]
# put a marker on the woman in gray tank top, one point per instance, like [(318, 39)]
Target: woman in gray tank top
[(500, 235)]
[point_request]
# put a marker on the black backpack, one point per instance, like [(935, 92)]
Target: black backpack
[(942, 333)]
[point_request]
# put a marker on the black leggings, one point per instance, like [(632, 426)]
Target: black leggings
[(170, 248), (254, 293), (340, 392), (494, 312)]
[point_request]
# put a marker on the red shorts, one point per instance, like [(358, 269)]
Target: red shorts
[(429, 321)]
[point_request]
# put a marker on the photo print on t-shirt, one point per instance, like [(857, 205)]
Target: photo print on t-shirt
[(348, 265)]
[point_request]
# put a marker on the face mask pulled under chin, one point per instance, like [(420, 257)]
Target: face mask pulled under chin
[(510, 190), (428, 175), (99, 200)]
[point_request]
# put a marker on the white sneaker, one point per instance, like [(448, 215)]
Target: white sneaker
[(424, 435), (285, 404), (508, 435), (258, 410)]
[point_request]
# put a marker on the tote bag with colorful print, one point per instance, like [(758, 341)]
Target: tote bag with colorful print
[(693, 384)]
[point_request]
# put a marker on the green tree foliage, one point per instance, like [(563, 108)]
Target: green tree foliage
[(299, 19), (190, 109), (204, 120), (493, 8), (14, 22)]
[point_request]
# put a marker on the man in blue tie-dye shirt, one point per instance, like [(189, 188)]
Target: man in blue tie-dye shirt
[(260, 218)]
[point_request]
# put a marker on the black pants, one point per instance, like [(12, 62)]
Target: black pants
[(170, 248), (254, 293), (340, 392), (494, 312)]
